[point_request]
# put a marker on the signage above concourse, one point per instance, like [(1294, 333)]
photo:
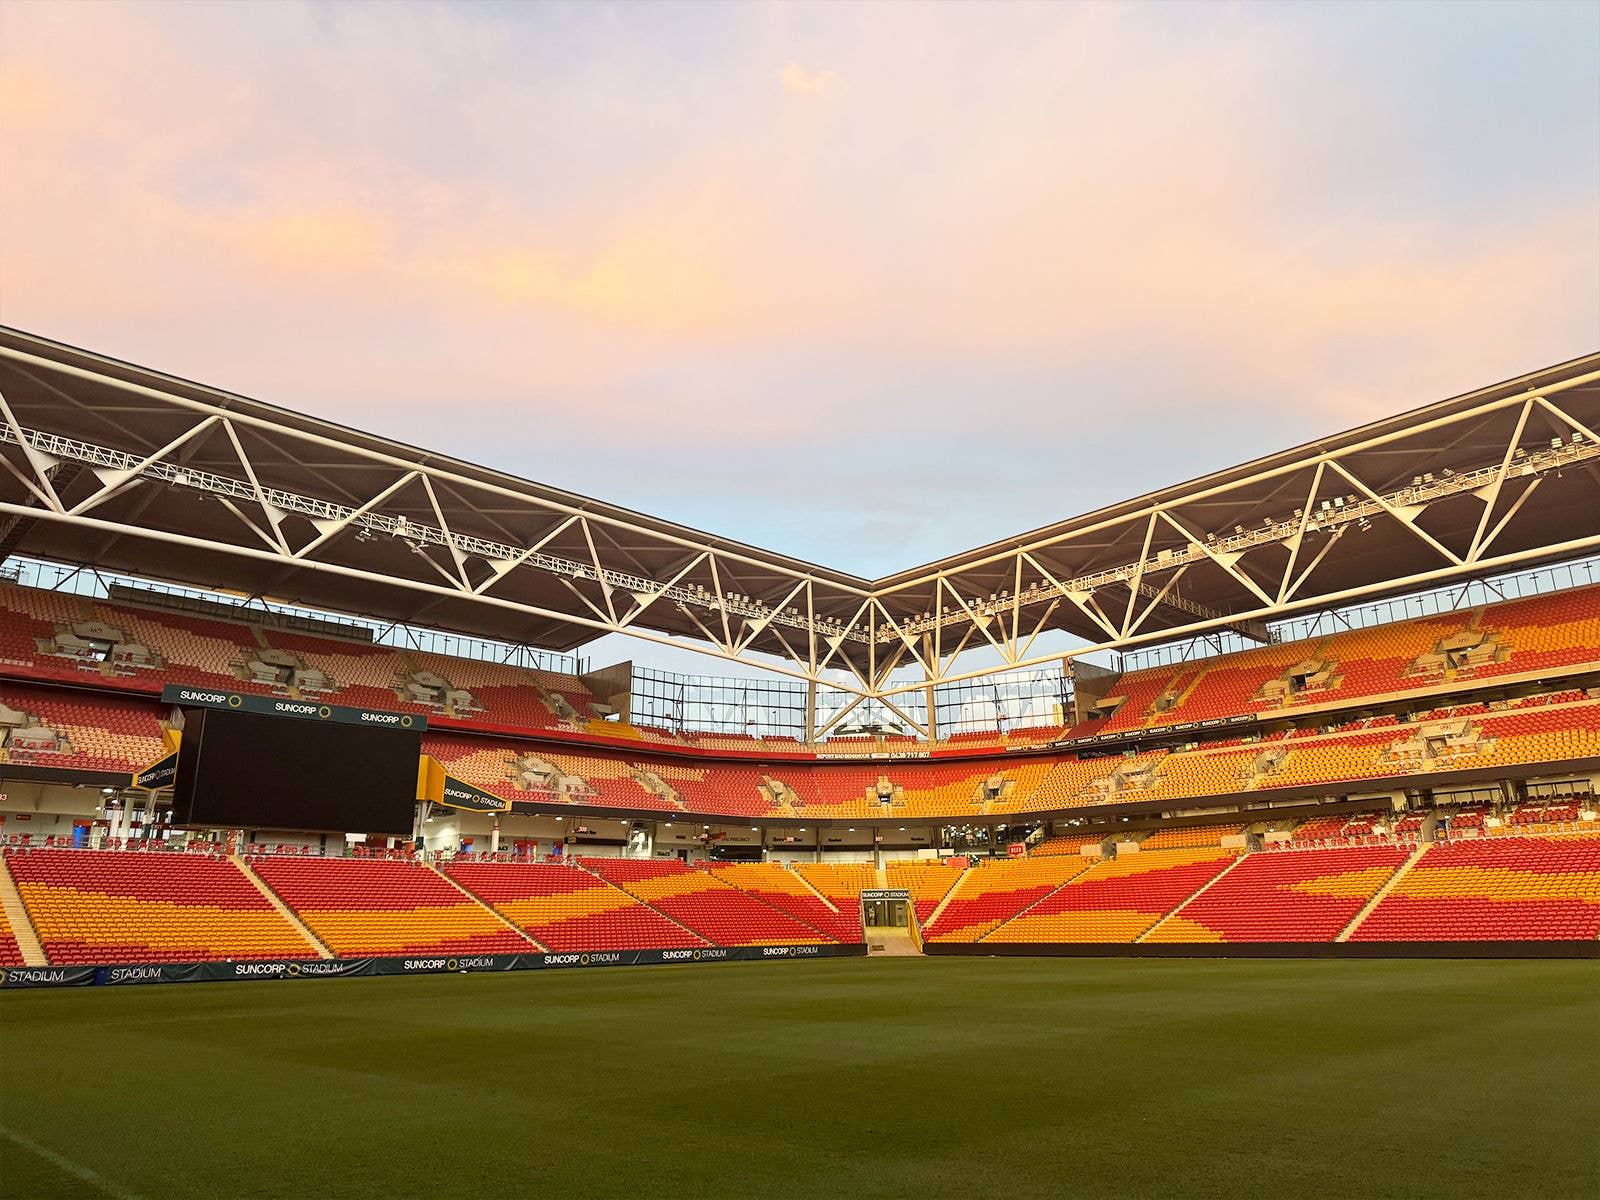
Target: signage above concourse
[(185, 696)]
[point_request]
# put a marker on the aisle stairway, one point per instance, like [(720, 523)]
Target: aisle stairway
[(16, 913), (287, 913)]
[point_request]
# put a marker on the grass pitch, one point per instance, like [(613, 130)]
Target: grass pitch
[(890, 1078)]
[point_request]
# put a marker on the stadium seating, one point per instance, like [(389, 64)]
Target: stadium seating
[(107, 906), (717, 911), (1289, 896), (784, 890), (841, 883), (998, 891), (10, 951), (566, 908), (1545, 633), (361, 907), (1179, 837), (1117, 899), (1493, 889), (928, 881), (98, 731)]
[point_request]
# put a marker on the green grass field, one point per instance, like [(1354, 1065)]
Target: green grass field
[(891, 1078)]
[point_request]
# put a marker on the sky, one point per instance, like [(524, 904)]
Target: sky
[(865, 284)]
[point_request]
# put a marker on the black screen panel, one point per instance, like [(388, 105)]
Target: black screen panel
[(247, 771)]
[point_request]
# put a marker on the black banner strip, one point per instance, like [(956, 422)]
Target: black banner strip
[(185, 696), (123, 974)]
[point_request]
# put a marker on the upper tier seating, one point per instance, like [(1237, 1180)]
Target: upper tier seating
[(109, 906), (998, 891), (1493, 889), (1180, 837), (96, 731), (1116, 899), (1545, 633), (565, 908), (1295, 896), (717, 911), (377, 907), (777, 886)]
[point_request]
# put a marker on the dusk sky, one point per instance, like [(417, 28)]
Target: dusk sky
[(865, 284)]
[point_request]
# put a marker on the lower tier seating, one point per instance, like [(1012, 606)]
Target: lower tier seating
[(717, 911), (928, 881), (92, 906), (1286, 896), (998, 891), (566, 908), (374, 907), (775, 885), (1118, 899), (1491, 889), (841, 883), (10, 952)]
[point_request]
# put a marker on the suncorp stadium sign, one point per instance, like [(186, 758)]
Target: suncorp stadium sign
[(120, 974), (192, 697)]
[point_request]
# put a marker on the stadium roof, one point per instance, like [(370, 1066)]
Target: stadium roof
[(131, 470)]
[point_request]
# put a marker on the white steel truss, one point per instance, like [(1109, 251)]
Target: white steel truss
[(813, 625)]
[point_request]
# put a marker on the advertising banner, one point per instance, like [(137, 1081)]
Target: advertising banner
[(463, 795), (27, 977), (158, 774), (185, 696), (124, 974)]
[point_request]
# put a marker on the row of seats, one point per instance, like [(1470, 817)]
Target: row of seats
[(117, 906), (565, 908), (1543, 633), (698, 900), (377, 907), (106, 732), (1512, 888), (1113, 900), (92, 907)]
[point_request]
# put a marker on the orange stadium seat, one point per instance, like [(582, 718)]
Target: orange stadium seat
[(1494, 889), (375, 907), (566, 908), (1286, 896), (717, 911), (110, 906), (1116, 899)]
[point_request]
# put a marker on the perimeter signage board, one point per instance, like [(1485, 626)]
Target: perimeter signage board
[(277, 706), (333, 968)]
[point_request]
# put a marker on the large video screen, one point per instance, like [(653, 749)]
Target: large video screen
[(246, 771)]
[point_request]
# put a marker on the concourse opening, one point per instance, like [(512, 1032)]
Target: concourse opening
[(884, 914), (889, 922)]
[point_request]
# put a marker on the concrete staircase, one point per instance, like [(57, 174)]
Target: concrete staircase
[(933, 917), (284, 910), (1400, 873), (495, 912), (651, 907), (21, 923), (1215, 879), (891, 943)]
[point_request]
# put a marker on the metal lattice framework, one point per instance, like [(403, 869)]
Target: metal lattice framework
[(122, 468)]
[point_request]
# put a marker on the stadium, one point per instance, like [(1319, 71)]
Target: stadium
[(379, 818), (1355, 783)]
